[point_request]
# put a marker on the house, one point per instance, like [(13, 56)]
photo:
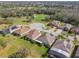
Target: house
[(22, 31), (75, 30), (14, 28), (46, 38), (9, 30), (63, 27), (61, 49), (66, 27), (69, 36), (77, 53), (5, 31), (60, 25), (33, 34), (54, 23), (55, 31)]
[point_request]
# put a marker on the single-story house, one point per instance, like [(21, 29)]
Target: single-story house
[(22, 31), (66, 27), (77, 53), (47, 39), (5, 31), (75, 30), (54, 23), (9, 29), (55, 31), (60, 25), (70, 36), (61, 49), (14, 28), (33, 34)]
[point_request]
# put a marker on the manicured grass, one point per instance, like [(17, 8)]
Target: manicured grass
[(15, 43), (39, 17)]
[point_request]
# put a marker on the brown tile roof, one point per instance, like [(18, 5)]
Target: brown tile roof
[(22, 30), (54, 23), (33, 34), (47, 39), (42, 39), (50, 39)]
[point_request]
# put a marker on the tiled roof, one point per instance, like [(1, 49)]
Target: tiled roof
[(75, 29), (22, 30), (55, 31), (54, 23), (63, 45), (47, 39), (33, 34)]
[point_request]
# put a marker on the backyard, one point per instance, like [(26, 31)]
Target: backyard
[(13, 44)]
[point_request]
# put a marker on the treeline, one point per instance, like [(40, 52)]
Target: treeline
[(68, 15)]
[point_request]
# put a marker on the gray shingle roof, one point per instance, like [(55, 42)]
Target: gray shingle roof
[(64, 47)]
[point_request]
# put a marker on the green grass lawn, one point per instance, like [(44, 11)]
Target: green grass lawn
[(15, 43), (39, 17)]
